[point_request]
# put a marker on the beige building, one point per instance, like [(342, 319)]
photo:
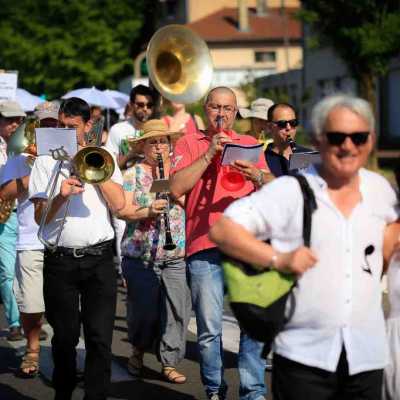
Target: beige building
[(248, 39), (200, 9)]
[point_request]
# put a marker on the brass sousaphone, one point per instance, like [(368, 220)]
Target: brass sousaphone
[(179, 64)]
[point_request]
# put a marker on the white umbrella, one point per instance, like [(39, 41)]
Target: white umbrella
[(121, 98), (94, 97), (26, 100)]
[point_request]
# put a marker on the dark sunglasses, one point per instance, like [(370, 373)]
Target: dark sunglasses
[(281, 124), (141, 104), (338, 138)]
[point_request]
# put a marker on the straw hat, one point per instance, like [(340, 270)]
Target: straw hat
[(258, 109), (152, 128)]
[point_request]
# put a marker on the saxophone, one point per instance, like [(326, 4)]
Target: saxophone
[(21, 141), (6, 207)]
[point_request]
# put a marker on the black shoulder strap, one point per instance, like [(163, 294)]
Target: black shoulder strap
[(310, 205)]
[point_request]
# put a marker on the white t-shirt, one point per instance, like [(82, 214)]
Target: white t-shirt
[(119, 131), (27, 239), (88, 218), (337, 303)]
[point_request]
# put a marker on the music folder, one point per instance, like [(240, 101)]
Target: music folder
[(303, 160), (160, 185)]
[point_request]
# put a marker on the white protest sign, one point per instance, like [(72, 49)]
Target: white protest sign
[(8, 85)]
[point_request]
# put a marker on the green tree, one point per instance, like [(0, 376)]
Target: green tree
[(59, 45), (364, 33)]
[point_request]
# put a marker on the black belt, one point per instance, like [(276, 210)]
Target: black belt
[(95, 250)]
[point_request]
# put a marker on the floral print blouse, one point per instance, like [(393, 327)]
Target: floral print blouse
[(145, 239)]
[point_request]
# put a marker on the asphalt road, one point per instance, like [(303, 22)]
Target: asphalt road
[(152, 386)]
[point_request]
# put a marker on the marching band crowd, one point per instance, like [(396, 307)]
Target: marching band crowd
[(168, 211)]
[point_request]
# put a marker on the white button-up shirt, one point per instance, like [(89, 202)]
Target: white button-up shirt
[(337, 303)]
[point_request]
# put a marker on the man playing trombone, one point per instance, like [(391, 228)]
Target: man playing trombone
[(79, 275)]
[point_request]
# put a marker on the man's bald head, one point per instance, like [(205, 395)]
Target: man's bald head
[(221, 90)]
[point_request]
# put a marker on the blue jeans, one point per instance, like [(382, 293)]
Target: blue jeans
[(251, 369), (8, 239), (207, 286)]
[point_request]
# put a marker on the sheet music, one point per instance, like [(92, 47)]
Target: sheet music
[(160, 185), (303, 160), (54, 138), (233, 152)]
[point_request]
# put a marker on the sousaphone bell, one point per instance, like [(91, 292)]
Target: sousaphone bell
[(179, 64)]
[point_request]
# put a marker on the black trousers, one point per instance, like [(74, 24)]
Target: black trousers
[(294, 381), (81, 290)]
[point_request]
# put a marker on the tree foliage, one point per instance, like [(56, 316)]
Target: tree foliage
[(59, 45), (365, 33)]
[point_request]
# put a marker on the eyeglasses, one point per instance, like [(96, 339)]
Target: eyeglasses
[(155, 142), (141, 104), (214, 108), (338, 138), (281, 124)]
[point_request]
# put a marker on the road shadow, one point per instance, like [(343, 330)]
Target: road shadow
[(9, 360), (139, 389), (9, 393), (142, 389)]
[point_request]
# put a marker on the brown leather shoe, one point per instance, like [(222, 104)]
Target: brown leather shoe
[(15, 334)]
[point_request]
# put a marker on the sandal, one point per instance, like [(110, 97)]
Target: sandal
[(172, 375), (29, 367)]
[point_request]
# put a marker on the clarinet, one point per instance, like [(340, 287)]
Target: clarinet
[(291, 142), (169, 244)]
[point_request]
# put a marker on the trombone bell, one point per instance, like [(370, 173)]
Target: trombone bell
[(179, 64), (93, 165)]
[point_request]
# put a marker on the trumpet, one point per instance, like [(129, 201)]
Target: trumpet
[(169, 244), (92, 165)]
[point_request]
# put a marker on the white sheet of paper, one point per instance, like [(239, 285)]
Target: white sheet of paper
[(53, 138), (303, 160), (233, 152), (8, 85)]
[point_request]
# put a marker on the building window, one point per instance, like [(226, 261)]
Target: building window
[(265, 56)]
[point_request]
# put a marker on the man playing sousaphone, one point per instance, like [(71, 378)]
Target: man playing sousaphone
[(158, 306)]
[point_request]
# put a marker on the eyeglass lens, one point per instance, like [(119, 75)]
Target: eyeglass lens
[(281, 124), (338, 138)]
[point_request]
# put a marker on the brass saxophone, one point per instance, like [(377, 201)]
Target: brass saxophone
[(6, 208), (22, 141)]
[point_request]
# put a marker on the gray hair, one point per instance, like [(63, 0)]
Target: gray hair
[(321, 110)]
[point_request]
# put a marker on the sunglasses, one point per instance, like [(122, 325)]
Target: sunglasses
[(141, 104), (281, 124), (338, 138)]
